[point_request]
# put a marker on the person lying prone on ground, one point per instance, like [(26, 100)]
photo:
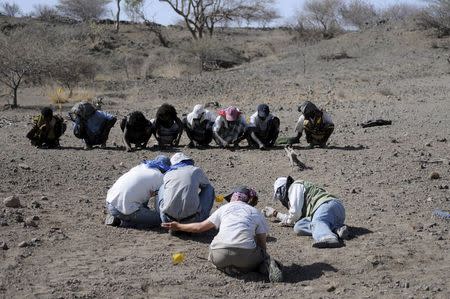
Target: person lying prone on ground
[(311, 211), (240, 245)]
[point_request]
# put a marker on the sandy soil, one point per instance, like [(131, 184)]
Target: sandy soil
[(397, 250)]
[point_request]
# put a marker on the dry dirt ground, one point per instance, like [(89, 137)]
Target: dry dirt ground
[(398, 248)]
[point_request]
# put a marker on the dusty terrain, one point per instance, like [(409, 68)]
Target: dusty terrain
[(398, 248)]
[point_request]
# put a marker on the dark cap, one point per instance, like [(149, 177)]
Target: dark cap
[(249, 192), (263, 110)]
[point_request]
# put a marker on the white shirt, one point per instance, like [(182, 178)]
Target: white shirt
[(207, 115), (133, 188), (238, 224), (299, 126), (257, 122), (296, 196), (227, 131)]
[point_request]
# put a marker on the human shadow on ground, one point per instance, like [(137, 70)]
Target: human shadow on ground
[(333, 147), (204, 238), (81, 148), (296, 273), (355, 232)]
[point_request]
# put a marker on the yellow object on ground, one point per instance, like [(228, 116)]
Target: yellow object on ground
[(220, 198), (178, 258)]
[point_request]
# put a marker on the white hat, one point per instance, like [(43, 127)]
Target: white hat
[(198, 110), (178, 157), (278, 183)]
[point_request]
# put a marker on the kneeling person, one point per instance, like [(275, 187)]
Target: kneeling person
[(167, 126), (136, 130), (230, 127), (127, 200), (47, 129), (240, 245)]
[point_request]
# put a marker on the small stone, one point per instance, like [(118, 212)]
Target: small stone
[(3, 223), (12, 202), (429, 199), (35, 240), (428, 144), (443, 187), (35, 204), (44, 198), (30, 222), (35, 218), (23, 244), (121, 164), (24, 166), (406, 285), (4, 246), (331, 288), (434, 175)]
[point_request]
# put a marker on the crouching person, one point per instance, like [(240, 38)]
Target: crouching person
[(230, 128), (91, 125), (264, 127), (240, 245), (316, 123), (136, 130), (167, 126), (312, 211), (199, 126), (127, 200), (179, 198), (47, 129)]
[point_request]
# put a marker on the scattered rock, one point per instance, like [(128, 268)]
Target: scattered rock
[(35, 218), (44, 198), (429, 199), (30, 222), (23, 244), (434, 175), (12, 202), (4, 246), (331, 288), (24, 166), (428, 144), (442, 140), (443, 187), (3, 223), (35, 204)]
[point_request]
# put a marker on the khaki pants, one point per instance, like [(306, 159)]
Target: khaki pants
[(246, 260)]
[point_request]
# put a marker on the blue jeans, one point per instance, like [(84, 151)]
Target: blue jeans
[(206, 197), (143, 217), (327, 218)]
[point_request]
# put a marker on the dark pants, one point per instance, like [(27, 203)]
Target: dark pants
[(318, 136), (269, 136), (203, 134)]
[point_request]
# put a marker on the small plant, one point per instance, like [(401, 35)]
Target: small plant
[(58, 96)]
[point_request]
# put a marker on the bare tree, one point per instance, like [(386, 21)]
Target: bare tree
[(18, 62), (437, 16), (83, 10), (359, 13), (324, 15), (10, 9), (135, 10), (118, 15)]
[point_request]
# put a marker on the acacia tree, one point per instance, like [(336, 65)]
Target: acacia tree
[(437, 16), (201, 15), (324, 15), (118, 16), (18, 62), (359, 13), (83, 10)]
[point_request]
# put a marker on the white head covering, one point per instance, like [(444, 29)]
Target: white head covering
[(196, 113), (179, 157), (278, 183)]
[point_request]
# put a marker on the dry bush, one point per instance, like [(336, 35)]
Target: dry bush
[(399, 13), (359, 13), (387, 92), (437, 17), (83, 10), (10, 9), (335, 56), (45, 12)]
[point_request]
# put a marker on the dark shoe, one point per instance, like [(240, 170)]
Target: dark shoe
[(342, 232), (112, 221), (327, 242)]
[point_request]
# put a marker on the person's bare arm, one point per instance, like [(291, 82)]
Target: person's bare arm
[(125, 141), (261, 240), (221, 140), (196, 227)]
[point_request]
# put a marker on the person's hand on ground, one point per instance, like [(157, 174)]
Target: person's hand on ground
[(170, 225), (269, 212)]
